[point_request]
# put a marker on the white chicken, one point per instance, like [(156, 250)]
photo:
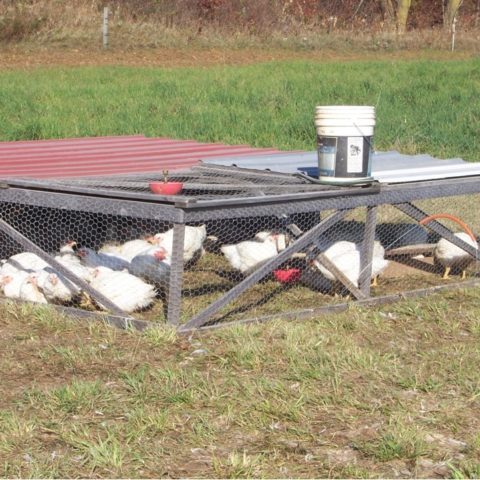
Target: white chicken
[(55, 287), (152, 266), (29, 290), (127, 291), (193, 243), (129, 249), (248, 255), (379, 262), (69, 259), (346, 256), (67, 253), (451, 256), (280, 238), (92, 259), (27, 261), (11, 283), (81, 271), (110, 248), (135, 247)]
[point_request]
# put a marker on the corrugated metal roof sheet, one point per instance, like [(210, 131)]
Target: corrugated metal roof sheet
[(98, 156), (80, 157), (389, 167)]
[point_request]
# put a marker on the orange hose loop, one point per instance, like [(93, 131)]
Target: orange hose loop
[(447, 216)]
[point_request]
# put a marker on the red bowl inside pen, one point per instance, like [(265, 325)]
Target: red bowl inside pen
[(169, 188), (288, 276)]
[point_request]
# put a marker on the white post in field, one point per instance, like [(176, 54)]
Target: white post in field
[(453, 32), (105, 27)]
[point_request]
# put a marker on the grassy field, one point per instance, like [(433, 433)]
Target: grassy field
[(422, 106), (368, 393), (381, 392)]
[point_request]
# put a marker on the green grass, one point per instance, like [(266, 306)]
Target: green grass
[(422, 106), (356, 394)]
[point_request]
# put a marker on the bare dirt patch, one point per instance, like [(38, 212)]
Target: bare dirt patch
[(31, 56)]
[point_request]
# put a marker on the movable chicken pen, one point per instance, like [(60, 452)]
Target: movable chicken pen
[(300, 248)]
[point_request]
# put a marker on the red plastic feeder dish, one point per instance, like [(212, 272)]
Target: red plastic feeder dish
[(288, 276), (169, 188)]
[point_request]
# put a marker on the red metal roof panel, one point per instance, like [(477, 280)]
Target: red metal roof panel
[(80, 157)]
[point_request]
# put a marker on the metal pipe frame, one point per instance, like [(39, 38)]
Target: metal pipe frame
[(93, 204), (387, 195), (188, 211), (125, 323), (302, 242), (184, 212), (174, 308), (307, 314), (367, 251)]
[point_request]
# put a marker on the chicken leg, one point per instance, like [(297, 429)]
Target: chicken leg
[(86, 302), (464, 274), (445, 274), (374, 281)]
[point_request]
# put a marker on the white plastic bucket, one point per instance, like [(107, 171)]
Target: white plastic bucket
[(344, 142)]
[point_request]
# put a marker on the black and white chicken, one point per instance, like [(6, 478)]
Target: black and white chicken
[(151, 265), (91, 259)]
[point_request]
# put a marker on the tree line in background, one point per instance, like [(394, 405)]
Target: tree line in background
[(399, 15)]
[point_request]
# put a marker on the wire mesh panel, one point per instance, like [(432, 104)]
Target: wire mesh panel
[(402, 254), (114, 255), (260, 245)]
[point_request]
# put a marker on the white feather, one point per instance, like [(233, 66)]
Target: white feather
[(133, 248), (193, 243), (249, 255), (11, 283), (30, 292), (26, 261), (346, 256), (127, 291), (449, 255)]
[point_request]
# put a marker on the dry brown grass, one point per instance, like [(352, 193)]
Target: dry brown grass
[(140, 24)]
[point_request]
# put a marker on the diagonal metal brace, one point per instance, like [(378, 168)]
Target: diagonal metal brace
[(417, 214), (340, 276), (305, 240), (32, 247), (331, 267)]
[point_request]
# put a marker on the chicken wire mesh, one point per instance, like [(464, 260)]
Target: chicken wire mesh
[(405, 257), (93, 246), (202, 182), (226, 263)]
